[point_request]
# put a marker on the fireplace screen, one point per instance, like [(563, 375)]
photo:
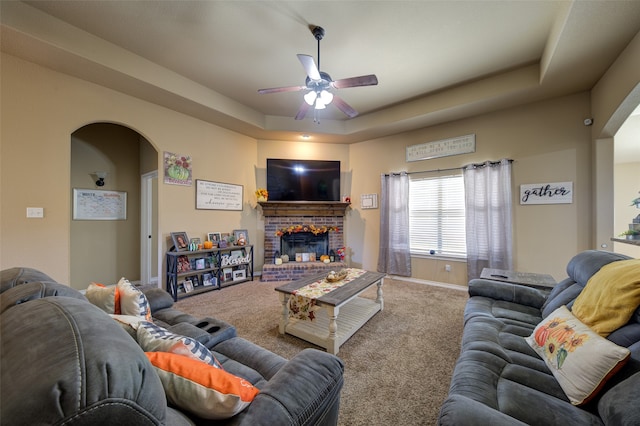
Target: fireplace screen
[(304, 242)]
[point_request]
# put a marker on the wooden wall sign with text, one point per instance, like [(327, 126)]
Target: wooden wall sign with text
[(547, 193), (442, 148)]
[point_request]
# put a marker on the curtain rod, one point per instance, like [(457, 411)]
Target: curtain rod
[(474, 165)]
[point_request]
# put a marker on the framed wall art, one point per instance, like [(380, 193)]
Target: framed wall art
[(218, 195)]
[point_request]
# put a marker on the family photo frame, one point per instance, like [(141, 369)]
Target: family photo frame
[(180, 241)]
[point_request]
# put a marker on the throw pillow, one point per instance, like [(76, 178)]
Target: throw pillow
[(122, 299), (132, 300), (580, 359), (610, 297), (129, 323), (207, 392), (105, 298), (153, 338)]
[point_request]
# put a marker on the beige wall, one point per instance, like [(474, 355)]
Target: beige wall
[(42, 108), (548, 142)]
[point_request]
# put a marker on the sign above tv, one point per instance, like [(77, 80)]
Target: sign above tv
[(303, 180), (442, 148)]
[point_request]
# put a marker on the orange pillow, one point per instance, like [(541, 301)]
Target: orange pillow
[(206, 391)]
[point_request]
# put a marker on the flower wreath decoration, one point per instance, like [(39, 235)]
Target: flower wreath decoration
[(315, 230)]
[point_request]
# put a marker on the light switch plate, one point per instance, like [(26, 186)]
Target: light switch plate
[(35, 212)]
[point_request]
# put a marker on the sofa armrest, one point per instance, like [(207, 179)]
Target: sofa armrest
[(459, 410), (306, 390), (508, 292)]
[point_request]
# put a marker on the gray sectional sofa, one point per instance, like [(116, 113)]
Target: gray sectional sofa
[(65, 361), (500, 380)]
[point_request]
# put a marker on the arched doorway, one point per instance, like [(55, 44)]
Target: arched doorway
[(106, 250)]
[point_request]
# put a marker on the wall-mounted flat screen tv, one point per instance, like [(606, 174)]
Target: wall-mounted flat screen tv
[(303, 180)]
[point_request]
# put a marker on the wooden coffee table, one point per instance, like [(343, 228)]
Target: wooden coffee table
[(342, 313)]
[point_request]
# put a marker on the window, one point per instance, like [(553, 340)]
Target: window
[(436, 216)]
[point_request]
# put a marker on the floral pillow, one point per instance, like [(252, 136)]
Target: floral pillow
[(579, 358)]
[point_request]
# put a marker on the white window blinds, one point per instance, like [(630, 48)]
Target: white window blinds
[(437, 216)]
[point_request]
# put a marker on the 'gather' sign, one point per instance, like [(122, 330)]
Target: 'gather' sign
[(547, 193)]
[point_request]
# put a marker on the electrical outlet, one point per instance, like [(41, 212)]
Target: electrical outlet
[(35, 212), (447, 268)]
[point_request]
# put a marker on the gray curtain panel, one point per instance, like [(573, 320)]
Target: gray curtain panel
[(487, 188), (394, 256)]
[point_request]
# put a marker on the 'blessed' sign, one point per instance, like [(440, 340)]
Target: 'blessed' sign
[(547, 193)]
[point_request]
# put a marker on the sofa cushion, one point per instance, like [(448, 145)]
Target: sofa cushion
[(12, 277), (56, 369), (158, 298), (619, 406), (580, 359), (611, 297), (36, 290), (585, 264), (208, 392)]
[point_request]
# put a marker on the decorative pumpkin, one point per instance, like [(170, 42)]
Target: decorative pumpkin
[(208, 245)]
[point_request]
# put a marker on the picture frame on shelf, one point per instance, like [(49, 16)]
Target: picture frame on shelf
[(227, 274), (188, 286), (208, 279), (239, 274), (183, 264), (214, 237), (194, 281), (241, 237), (200, 264), (224, 240), (195, 240), (180, 241)]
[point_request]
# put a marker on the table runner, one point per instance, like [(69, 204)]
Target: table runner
[(302, 302)]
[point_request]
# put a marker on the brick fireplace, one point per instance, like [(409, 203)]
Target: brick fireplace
[(279, 215)]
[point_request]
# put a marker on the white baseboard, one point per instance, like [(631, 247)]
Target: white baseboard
[(432, 283)]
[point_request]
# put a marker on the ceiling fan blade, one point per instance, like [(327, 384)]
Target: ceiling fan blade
[(344, 107), (363, 80), (303, 110), (281, 89), (310, 66)]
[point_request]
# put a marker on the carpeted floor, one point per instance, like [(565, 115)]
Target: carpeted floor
[(397, 366)]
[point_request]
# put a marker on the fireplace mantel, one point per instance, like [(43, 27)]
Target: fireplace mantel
[(303, 208)]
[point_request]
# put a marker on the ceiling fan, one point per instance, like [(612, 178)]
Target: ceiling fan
[(319, 85)]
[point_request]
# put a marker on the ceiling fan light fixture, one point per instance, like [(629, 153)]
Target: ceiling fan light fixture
[(320, 104), (326, 97), (310, 97)]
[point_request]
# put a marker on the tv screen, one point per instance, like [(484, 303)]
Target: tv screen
[(303, 180)]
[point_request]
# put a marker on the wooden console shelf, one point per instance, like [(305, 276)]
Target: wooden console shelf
[(303, 208), (220, 266)]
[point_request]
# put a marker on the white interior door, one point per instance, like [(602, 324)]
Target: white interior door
[(148, 228)]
